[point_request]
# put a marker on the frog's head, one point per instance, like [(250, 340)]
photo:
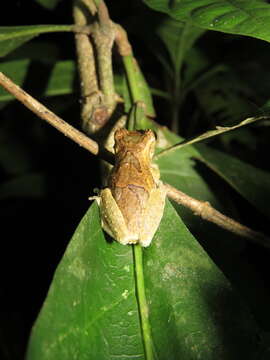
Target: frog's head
[(140, 141)]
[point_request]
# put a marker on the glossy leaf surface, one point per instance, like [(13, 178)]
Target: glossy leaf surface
[(240, 17)]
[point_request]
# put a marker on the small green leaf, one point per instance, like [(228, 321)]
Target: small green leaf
[(250, 18), (16, 70), (211, 133), (60, 81), (137, 85), (11, 37), (252, 183), (48, 4), (29, 185)]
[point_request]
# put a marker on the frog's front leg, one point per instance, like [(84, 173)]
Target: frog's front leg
[(112, 219)]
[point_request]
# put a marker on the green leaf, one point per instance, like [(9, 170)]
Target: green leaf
[(226, 249), (211, 133), (16, 70), (177, 169), (48, 4), (91, 308), (121, 87), (29, 185), (137, 85), (191, 304), (178, 37), (44, 52), (240, 17), (252, 183), (196, 64), (228, 102), (60, 81), (11, 37)]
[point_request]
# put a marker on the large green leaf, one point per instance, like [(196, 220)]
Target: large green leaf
[(91, 309), (179, 169), (11, 37), (191, 304), (252, 183), (250, 18)]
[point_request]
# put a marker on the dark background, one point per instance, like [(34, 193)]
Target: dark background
[(36, 230)]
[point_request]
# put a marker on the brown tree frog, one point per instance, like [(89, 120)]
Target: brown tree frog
[(132, 204)]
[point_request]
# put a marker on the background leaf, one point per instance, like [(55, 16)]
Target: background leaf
[(60, 82), (252, 183), (11, 37), (178, 37), (31, 185), (248, 18), (16, 70), (48, 4)]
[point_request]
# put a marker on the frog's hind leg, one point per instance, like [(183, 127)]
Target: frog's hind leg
[(113, 221), (152, 215)]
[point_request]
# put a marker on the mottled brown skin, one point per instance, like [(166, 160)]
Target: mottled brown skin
[(132, 179)]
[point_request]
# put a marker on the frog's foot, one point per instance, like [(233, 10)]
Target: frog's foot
[(96, 198), (145, 241), (129, 239)]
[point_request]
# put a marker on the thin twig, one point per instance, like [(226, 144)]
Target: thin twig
[(47, 115), (210, 133), (207, 212)]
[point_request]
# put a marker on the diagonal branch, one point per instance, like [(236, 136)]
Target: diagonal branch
[(200, 208), (47, 115), (211, 133), (207, 212)]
